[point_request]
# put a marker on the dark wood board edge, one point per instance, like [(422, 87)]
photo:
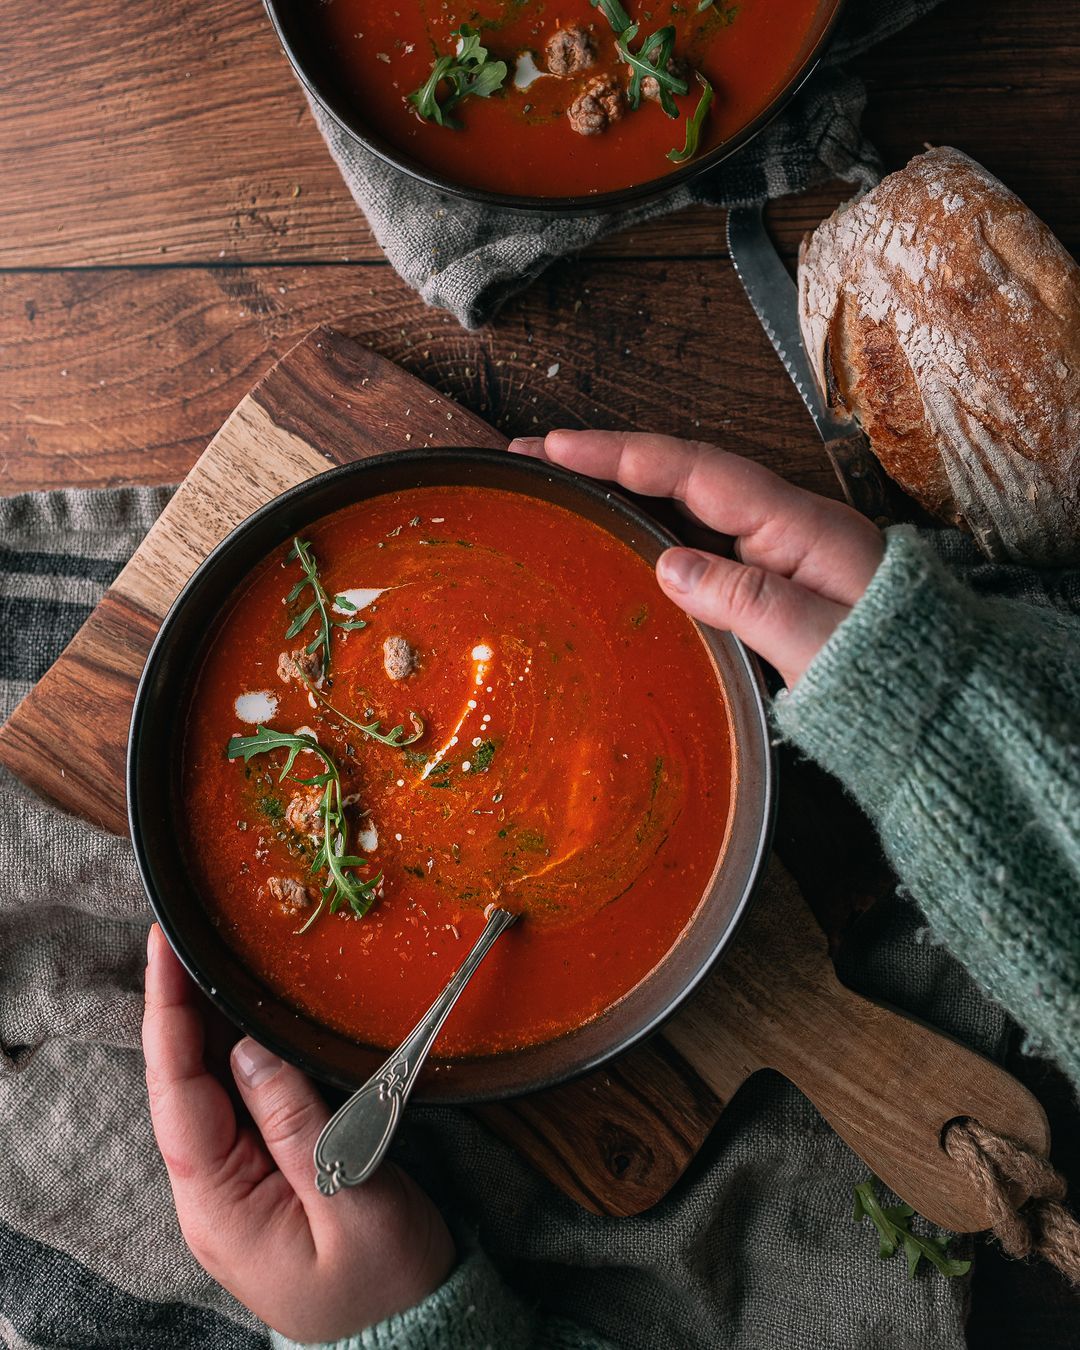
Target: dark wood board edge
[(326, 368), (627, 1132), (92, 684)]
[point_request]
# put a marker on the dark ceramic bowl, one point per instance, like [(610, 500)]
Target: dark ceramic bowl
[(312, 63), (154, 753)]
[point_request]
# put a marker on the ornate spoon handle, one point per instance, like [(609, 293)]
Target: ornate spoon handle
[(356, 1138)]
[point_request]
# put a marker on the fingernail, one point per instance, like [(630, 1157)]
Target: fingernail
[(527, 445), (150, 944), (681, 569), (254, 1064)]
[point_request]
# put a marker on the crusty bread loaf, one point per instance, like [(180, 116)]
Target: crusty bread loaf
[(945, 316)]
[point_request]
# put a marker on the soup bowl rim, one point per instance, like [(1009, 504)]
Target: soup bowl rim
[(182, 932)]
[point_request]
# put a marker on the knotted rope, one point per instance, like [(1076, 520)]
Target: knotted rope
[(998, 1165)]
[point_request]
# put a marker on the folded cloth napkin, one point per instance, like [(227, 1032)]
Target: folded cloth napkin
[(755, 1247), (469, 259)]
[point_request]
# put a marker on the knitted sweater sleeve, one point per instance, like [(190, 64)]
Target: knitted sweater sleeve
[(954, 720), (473, 1310)]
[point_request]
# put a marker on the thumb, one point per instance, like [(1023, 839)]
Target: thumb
[(786, 624), (286, 1108)]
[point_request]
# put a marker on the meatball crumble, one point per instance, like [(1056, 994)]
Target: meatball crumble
[(570, 51), (600, 104)]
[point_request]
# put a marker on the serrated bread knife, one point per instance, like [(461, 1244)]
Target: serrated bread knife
[(775, 301)]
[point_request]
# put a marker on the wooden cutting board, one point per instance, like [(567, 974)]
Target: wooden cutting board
[(616, 1140)]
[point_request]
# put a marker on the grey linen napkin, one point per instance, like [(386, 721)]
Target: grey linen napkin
[(469, 259), (755, 1247)]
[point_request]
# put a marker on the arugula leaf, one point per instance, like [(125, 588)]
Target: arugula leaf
[(613, 11), (468, 71), (694, 124), (652, 61), (301, 551), (346, 606), (894, 1231), (396, 738), (342, 885)]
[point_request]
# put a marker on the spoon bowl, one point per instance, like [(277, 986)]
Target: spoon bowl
[(356, 1138)]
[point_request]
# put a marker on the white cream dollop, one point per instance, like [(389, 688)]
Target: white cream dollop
[(260, 706), (359, 598), (526, 71)]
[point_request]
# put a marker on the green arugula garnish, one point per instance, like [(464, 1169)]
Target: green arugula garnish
[(319, 609), (301, 550), (468, 71), (652, 62), (613, 11), (342, 884), (395, 738), (694, 124), (894, 1230)]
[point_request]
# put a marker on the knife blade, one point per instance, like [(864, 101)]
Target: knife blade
[(774, 299)]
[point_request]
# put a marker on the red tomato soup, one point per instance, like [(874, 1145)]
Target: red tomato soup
[(581, 125), (574, 765)]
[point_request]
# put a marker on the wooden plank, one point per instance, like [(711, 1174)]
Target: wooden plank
[(618, 1139), (124, 375), (999, 81), (136, 131), (132, 131)]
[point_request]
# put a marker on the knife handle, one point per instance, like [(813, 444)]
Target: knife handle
[(864, 482)]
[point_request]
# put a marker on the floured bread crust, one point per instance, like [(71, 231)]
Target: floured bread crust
[(945, 316)]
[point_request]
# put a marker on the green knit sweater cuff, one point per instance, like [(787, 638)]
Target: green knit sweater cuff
[(868, 698), (473, 1310), (954, 720)]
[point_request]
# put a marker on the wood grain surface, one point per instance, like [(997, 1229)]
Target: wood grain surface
[(619, 1139), (586, 345)]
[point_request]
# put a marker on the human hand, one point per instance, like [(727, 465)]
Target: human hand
[(803, 561), (313, 1267)]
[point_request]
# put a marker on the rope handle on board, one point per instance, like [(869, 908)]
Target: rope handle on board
[(1039, 1226)]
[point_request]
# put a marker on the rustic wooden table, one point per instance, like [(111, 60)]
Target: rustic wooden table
[(170, 223)]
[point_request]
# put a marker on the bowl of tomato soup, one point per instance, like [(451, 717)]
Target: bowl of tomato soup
[(419, 686), (567, 105)]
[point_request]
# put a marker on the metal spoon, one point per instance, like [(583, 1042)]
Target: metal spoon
[(355, 1139)]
